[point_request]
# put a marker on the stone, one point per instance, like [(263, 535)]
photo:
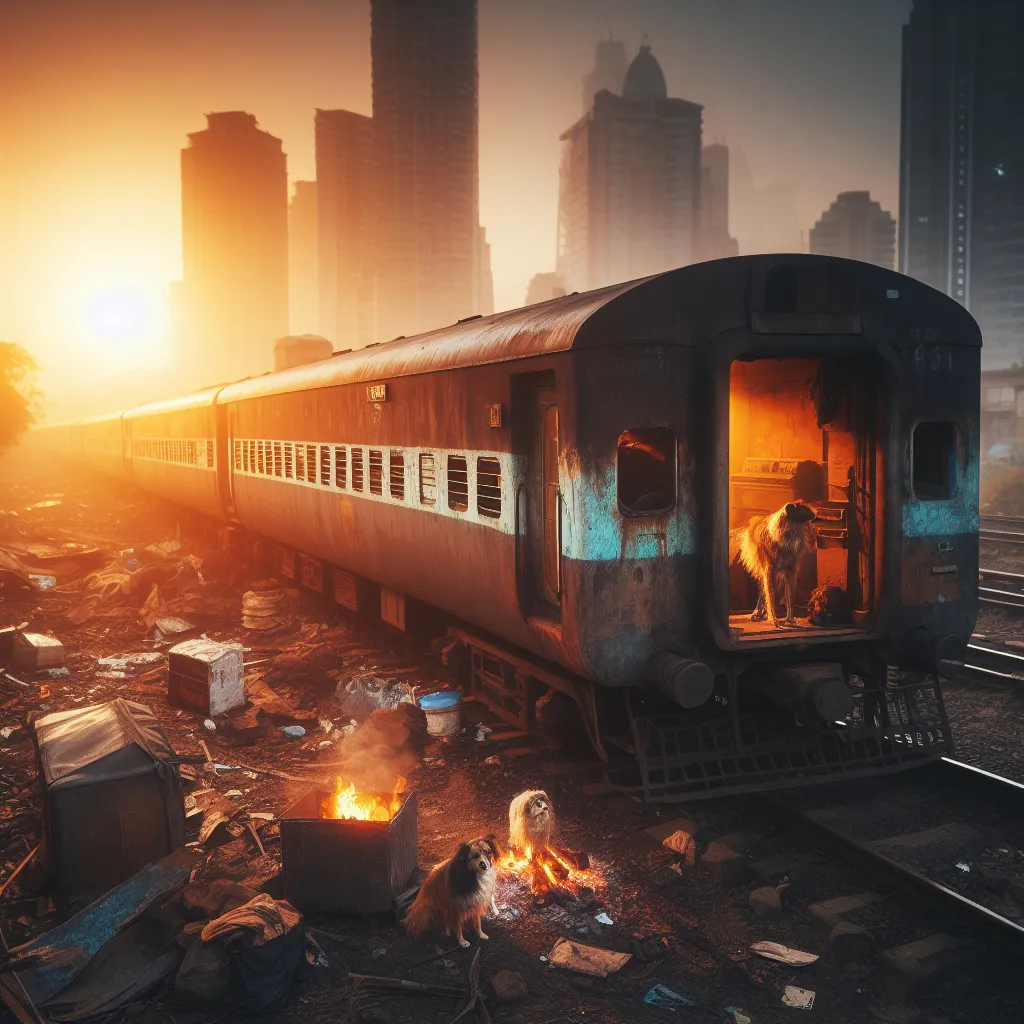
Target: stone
[(724, 864), (660, 832), (848, 942), (508, 986), (917, 966), (766, 902)]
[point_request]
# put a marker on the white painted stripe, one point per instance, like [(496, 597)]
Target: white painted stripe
[(512, 467)]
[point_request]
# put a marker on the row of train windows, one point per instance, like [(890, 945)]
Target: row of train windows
[(384, 471), (188, 453)]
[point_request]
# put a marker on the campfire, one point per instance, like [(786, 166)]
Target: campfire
[(552, 873), (349, 804)]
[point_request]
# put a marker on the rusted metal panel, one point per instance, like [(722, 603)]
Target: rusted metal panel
[(345, 866)]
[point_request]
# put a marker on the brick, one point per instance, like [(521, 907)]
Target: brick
[(660, 832), (508, 986)]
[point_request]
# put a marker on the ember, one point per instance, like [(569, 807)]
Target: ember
[(551, 871), (346, 802)]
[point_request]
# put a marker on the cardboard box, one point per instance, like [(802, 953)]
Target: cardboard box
[(206, 677), (35, 652)]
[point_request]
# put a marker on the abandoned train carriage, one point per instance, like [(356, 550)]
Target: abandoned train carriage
[(564, 479)]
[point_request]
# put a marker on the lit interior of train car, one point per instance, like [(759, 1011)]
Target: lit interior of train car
[(802, 433)]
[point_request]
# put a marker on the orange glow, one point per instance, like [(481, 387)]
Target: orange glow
[(346, 802), (549, 869)]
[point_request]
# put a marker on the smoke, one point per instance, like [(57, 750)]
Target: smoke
[(382, 750)]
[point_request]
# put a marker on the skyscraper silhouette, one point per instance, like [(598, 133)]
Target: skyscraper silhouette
[(303, 294), (629, 193), (234, 204), (856, 228), (430, 260), (344, 175), (962, 161), (608, 71)]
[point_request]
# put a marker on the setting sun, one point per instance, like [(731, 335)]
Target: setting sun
[(118, 316)]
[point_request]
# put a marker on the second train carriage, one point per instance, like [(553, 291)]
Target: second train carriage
[(564, 479)]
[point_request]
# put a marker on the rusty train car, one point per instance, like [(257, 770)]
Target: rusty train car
[(562, 479)]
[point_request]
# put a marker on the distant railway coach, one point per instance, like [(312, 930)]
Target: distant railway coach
[(570, 481)]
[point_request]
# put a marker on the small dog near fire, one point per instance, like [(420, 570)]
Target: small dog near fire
[(531, 821), (771, 548), (457, 891)]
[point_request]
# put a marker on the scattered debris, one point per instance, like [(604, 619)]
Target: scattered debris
[(170, 626), (131, 660), (603, 918), (800, 998), (210, 725), (165, 548), (738, 1016), (965, 868), (43, 582), (783, 954), (665, 999), (574, 956), (263, 607), (361, 696), (293, 732)]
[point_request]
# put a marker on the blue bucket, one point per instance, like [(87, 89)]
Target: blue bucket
[(443, 712)]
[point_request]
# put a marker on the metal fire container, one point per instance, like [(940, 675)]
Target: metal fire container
[(346, 866), (205, 676), (112, 799), (35, 652)]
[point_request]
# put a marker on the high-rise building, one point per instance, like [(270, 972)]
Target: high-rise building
[(857, 228), (962, 161), (629, 194), (234, 205), (427, 233), (715, 241), (542, 287), (345, 218), (303, 291), (608, 71)]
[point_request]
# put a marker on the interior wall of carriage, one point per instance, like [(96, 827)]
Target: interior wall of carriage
[(803, 432)]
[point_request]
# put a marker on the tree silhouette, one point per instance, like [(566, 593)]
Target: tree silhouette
[(19, 397)]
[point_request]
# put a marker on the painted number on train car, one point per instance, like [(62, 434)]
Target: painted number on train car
[(376, 392)]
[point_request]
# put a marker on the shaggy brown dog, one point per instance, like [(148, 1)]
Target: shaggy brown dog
[(531, 821), (458, 890), (770, 548)]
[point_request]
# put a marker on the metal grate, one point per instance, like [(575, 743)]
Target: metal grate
[(346, 589), (397, 473), (236, 449), (488, 487), (458, 483), (357, 469), (340, 467), (376, 471), (325, 465), (500, 687), (288, 470), (277, 458), (260, 464), (687, 758), (311, 463), (300, 462), (428, 479)]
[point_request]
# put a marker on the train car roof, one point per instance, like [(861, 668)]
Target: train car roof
[(689, 306), (195, 400)]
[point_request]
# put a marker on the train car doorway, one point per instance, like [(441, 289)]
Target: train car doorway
[(802, 495)]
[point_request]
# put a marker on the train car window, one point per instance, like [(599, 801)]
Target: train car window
[(376, 471), (936, 459), (325, 465), (396, 475), (277, 458), (646, 471), (311, 463), (357, 469), (488, 488), (246, 462), (340, 467), (192, 458), (289, 469), (428, 479), (236, 447), (458, 483), (300, 462), (260, 455)]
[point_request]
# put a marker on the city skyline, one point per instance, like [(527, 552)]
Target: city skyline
[(740, 64)]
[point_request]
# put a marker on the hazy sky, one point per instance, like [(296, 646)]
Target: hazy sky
[(97, 96)]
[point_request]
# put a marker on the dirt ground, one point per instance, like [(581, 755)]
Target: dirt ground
[(687, 931)]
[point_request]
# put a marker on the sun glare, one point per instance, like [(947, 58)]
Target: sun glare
[(118, 317)]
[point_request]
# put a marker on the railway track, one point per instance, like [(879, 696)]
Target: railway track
[(1001, 529), (1001, 588), (994, 665), (966, 863)]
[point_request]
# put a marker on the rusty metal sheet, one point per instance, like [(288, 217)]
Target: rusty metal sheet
[(197, 400)]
